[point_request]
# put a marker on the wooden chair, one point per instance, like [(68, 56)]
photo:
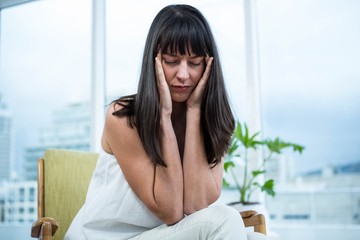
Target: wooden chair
[(63, 180)]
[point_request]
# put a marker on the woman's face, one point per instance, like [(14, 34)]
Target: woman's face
[(182, 73)]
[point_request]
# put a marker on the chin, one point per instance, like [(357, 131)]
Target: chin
[(179, 99)]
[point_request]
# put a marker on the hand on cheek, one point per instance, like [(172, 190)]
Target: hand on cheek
[(196, 97), (164, 92)]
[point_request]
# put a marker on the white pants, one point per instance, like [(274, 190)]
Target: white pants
[(215, 222)]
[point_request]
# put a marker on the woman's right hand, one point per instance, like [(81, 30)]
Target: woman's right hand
[(164, 91)]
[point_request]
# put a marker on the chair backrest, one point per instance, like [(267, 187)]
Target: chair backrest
[(64, 177)]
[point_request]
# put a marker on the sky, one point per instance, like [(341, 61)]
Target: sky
[(311, 77), (309, 61)]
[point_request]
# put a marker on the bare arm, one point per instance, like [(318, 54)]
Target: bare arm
[(160, 188), (202, 184)]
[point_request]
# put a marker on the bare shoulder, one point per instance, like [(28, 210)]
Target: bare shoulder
[(116, 129), (110, 117), (123, 141), (112, 114)]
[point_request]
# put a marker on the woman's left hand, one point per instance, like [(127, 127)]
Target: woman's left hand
[(195, 99)]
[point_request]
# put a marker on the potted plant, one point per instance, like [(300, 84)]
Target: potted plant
[(247, 180)]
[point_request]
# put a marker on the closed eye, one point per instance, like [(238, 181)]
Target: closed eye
[(195, 60), (195, 63), (170, 62)]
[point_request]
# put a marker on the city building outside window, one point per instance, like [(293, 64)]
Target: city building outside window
[(45, 83)]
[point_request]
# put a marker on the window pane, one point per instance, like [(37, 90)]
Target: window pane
[(45, 90), (309, 55)]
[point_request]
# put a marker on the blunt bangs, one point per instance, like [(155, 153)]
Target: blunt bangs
[(185, 35)]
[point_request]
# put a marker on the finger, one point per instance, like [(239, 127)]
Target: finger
[(209, 61), (160, 75), (159, 69), (159, 55), (206, 74), (158, 60)]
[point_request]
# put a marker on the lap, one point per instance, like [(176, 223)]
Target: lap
[(215, 222)]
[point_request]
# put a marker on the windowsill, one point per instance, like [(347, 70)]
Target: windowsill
[(300, 231)]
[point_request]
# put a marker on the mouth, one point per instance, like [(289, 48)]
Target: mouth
[(180, 88)]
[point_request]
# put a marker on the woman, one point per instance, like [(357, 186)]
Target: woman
[(162, 162)]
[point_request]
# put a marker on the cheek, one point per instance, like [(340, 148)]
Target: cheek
[(168, 73), (197, 74)]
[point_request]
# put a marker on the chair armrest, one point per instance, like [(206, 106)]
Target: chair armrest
[(253, 219), (44, 228)]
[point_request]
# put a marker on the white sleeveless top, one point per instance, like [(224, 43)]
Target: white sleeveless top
[(111, 210)]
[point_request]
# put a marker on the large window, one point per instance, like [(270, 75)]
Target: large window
[(45, 73), (45, 77), (310, 94), (309, 55)]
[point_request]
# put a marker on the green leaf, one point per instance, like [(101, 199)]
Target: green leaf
[(242, 134), (256, 184), (268, 187), (225, 183), (228, 164), (298, 148), (277, 145), (246, 137), (234, 146), (238, 132), (252, 142), (257, 172)]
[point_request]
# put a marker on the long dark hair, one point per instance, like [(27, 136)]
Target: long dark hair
[(179, 28)]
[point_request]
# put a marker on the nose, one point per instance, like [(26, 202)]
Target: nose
[(183, 71)]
